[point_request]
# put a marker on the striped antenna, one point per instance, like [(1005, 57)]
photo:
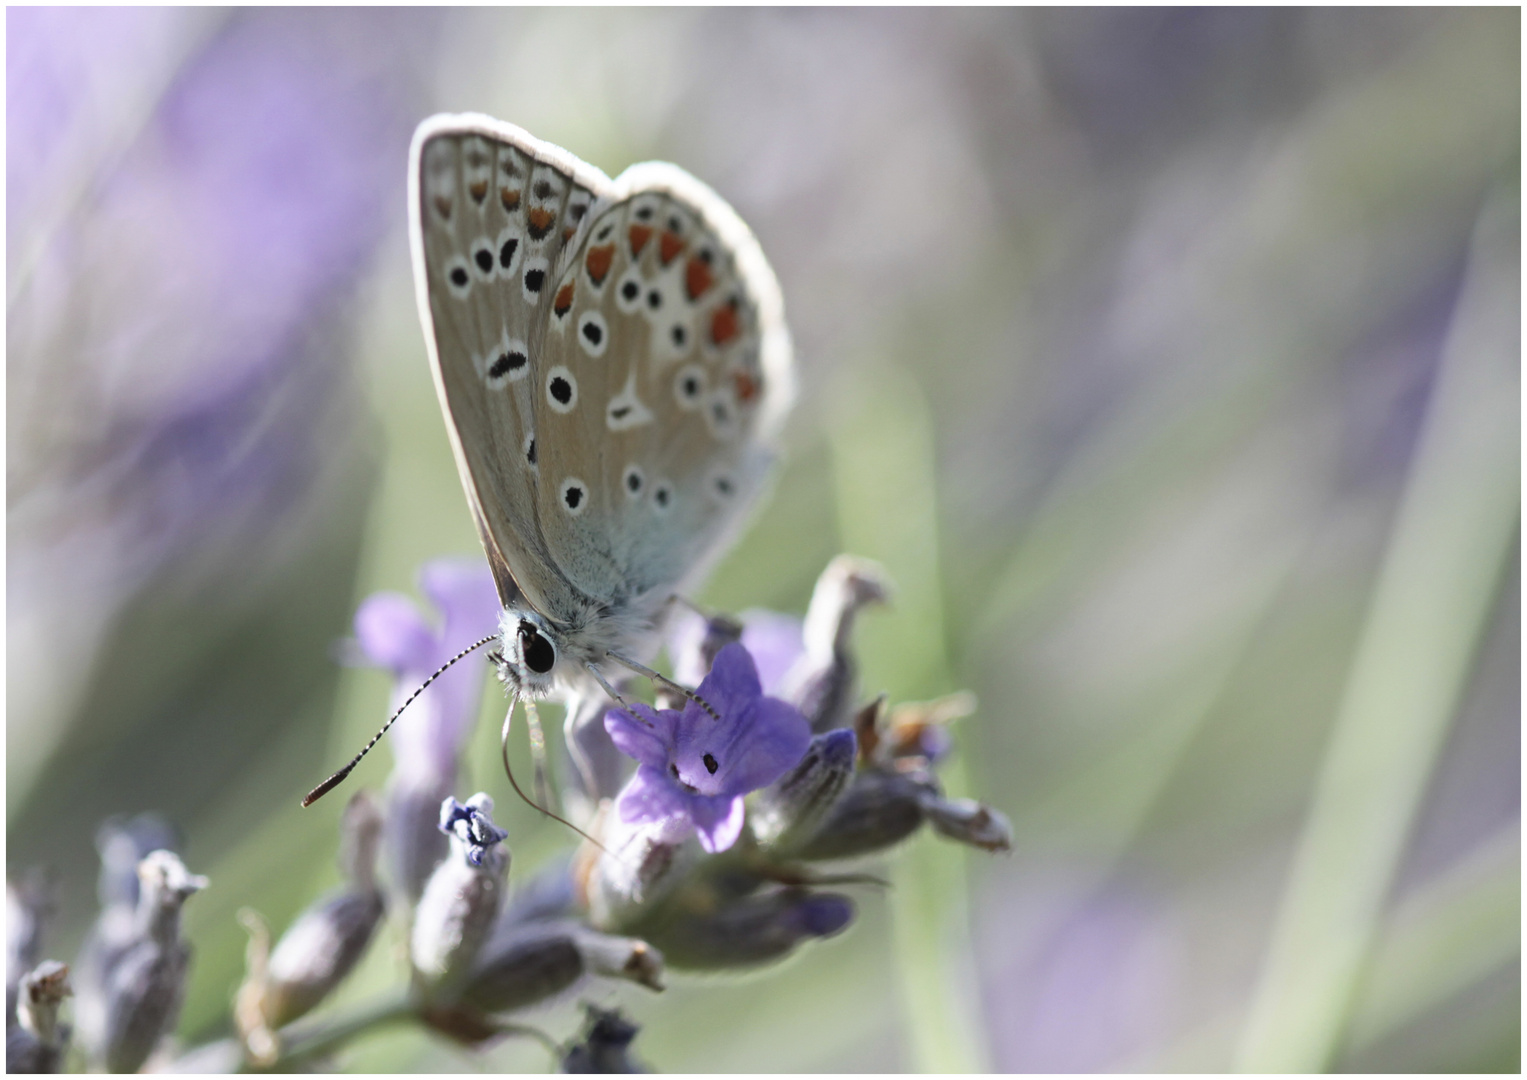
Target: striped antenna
[(334, 781)]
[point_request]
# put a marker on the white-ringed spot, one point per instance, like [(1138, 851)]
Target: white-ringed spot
[(575, 495), (561, 390), (625, 410), (458, 277), (628, 290), (689, 386), (508, 248), (593, 333), (633, 481), (510, 363), (533, 281), (483, 261)]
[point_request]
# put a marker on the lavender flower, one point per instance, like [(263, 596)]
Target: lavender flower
[(824, 680), (392, 634), (321, 947), (697, 767), (789, 810), (462, 898), (143, 988), (36, 1042)]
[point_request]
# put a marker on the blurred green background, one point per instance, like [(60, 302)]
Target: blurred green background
[(1168, 359)]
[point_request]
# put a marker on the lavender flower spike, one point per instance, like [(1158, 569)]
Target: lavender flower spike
[(696, 767)]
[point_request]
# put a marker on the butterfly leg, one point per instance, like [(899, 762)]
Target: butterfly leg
[(664, 680)]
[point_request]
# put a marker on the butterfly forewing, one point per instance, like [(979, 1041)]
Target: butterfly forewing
[(611, 356), (493, 211)]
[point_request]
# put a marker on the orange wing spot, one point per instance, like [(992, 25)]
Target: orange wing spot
[(443, 206), (669, 245), (564, 300), (697, 278), (640, 234), (567, 233), (746, 385), (540, 222), (598, 262), (510, 198), (479, 191), (724, 325)]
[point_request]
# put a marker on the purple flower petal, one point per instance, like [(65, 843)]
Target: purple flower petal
[(731, 685), (648, 742), (775, 738), (718, 821), (774, 641), (652, 796), (464, 593), (393, 634)]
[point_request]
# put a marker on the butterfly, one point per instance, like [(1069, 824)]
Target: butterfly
[(613, 364), (614, 367)]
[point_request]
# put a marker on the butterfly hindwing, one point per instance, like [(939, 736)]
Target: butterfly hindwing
[(663, 318)]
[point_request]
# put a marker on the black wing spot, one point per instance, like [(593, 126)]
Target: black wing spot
[(530, 451), (679, 336), (630, 290), (593, 332), (542, 189), (507, 362), (484, 259), (573, 496), (506, 253), (654, 299), (534, 279), (644, 214), (562, 390), (459, 278)]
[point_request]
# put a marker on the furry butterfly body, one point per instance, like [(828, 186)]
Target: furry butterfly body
[(613, 364)]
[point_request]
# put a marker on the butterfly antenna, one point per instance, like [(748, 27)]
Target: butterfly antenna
[(641, 669), (504, 748), (334, 781)]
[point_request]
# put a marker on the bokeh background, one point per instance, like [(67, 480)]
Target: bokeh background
[(1167, 359)]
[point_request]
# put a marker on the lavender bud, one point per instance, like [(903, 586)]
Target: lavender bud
[(879, 809), (823, 683), (969, 822), (645, 861), (123, 843), (752, 930), (28, 904), (37, 1042), (604, 1046), (523, 965), (620, 958), (141, 990), (462, 898), (787, 813)]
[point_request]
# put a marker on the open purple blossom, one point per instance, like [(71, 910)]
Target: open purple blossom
[(427, 741), (694, 766), (393, 634)]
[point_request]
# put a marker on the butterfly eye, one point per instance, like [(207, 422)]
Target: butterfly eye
[(537, 652)]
